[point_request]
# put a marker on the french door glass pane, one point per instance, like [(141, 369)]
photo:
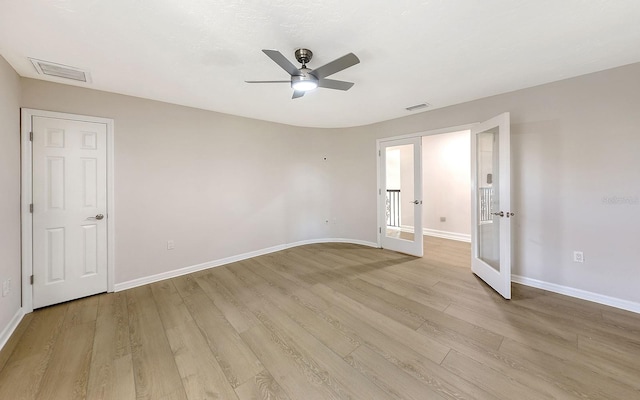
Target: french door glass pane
[(488, 177), (399, 192)]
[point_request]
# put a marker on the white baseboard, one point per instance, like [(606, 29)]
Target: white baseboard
[(405, 228), (228, 260), (11, 327), (461, 237), (578, 293)]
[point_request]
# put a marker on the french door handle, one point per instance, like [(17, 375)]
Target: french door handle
[(416, 202), (502, 214)]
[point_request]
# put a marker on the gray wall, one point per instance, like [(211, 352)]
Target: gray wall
[(217, 185), (575, 177), (10, 191)]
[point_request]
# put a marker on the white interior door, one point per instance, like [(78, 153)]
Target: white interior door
[(400, 195), (491, 213), (69, 209)]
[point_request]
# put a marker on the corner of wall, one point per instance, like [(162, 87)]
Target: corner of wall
[(10, 268)]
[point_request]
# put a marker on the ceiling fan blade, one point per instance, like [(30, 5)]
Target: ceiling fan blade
[(333, 84), (282, 61), (267, 81), (297, 93), (336, 65)]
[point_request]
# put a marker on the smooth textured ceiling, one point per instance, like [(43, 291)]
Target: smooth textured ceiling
[(198, 53)]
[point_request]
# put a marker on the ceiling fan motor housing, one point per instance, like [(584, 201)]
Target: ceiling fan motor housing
[(303, 56)]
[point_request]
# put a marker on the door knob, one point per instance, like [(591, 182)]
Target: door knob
[(500, 214), (98, 217), (416, 202)]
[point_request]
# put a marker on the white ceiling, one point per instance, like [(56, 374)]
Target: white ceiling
[(198, 53)]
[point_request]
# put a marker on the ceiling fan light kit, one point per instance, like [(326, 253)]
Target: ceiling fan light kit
[(304, 82), (304, 79)]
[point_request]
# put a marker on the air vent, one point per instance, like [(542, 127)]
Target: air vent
[(60, 71), (417, 107)]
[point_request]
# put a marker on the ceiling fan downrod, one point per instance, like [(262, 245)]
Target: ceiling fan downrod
[(303, 56)]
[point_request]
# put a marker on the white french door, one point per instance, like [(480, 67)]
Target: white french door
[(69, 219), (400, 195), (491, 214)]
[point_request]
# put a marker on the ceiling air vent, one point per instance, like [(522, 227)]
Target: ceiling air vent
[(417, 107), (60, 71)]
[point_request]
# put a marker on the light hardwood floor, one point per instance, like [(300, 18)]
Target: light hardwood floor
[(326, 321)]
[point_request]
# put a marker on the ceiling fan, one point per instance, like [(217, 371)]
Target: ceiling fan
[(304, 79)]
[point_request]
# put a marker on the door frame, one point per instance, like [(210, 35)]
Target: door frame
[(380, 222), (26, 196)]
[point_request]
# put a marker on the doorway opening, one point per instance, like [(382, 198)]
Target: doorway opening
[(442, 192), (446, 176), (489, 198)]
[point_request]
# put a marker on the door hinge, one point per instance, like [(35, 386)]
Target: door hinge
[(31, 208), (379, 153), (31, 136), (31, 279), (379, 191), (380, 230)]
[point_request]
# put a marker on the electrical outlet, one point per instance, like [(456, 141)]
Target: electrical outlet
[(578, 256), (171, 245)]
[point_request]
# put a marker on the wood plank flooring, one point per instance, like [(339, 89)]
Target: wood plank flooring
[(326, 321)]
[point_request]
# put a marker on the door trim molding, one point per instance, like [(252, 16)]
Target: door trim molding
[(26, 197)]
